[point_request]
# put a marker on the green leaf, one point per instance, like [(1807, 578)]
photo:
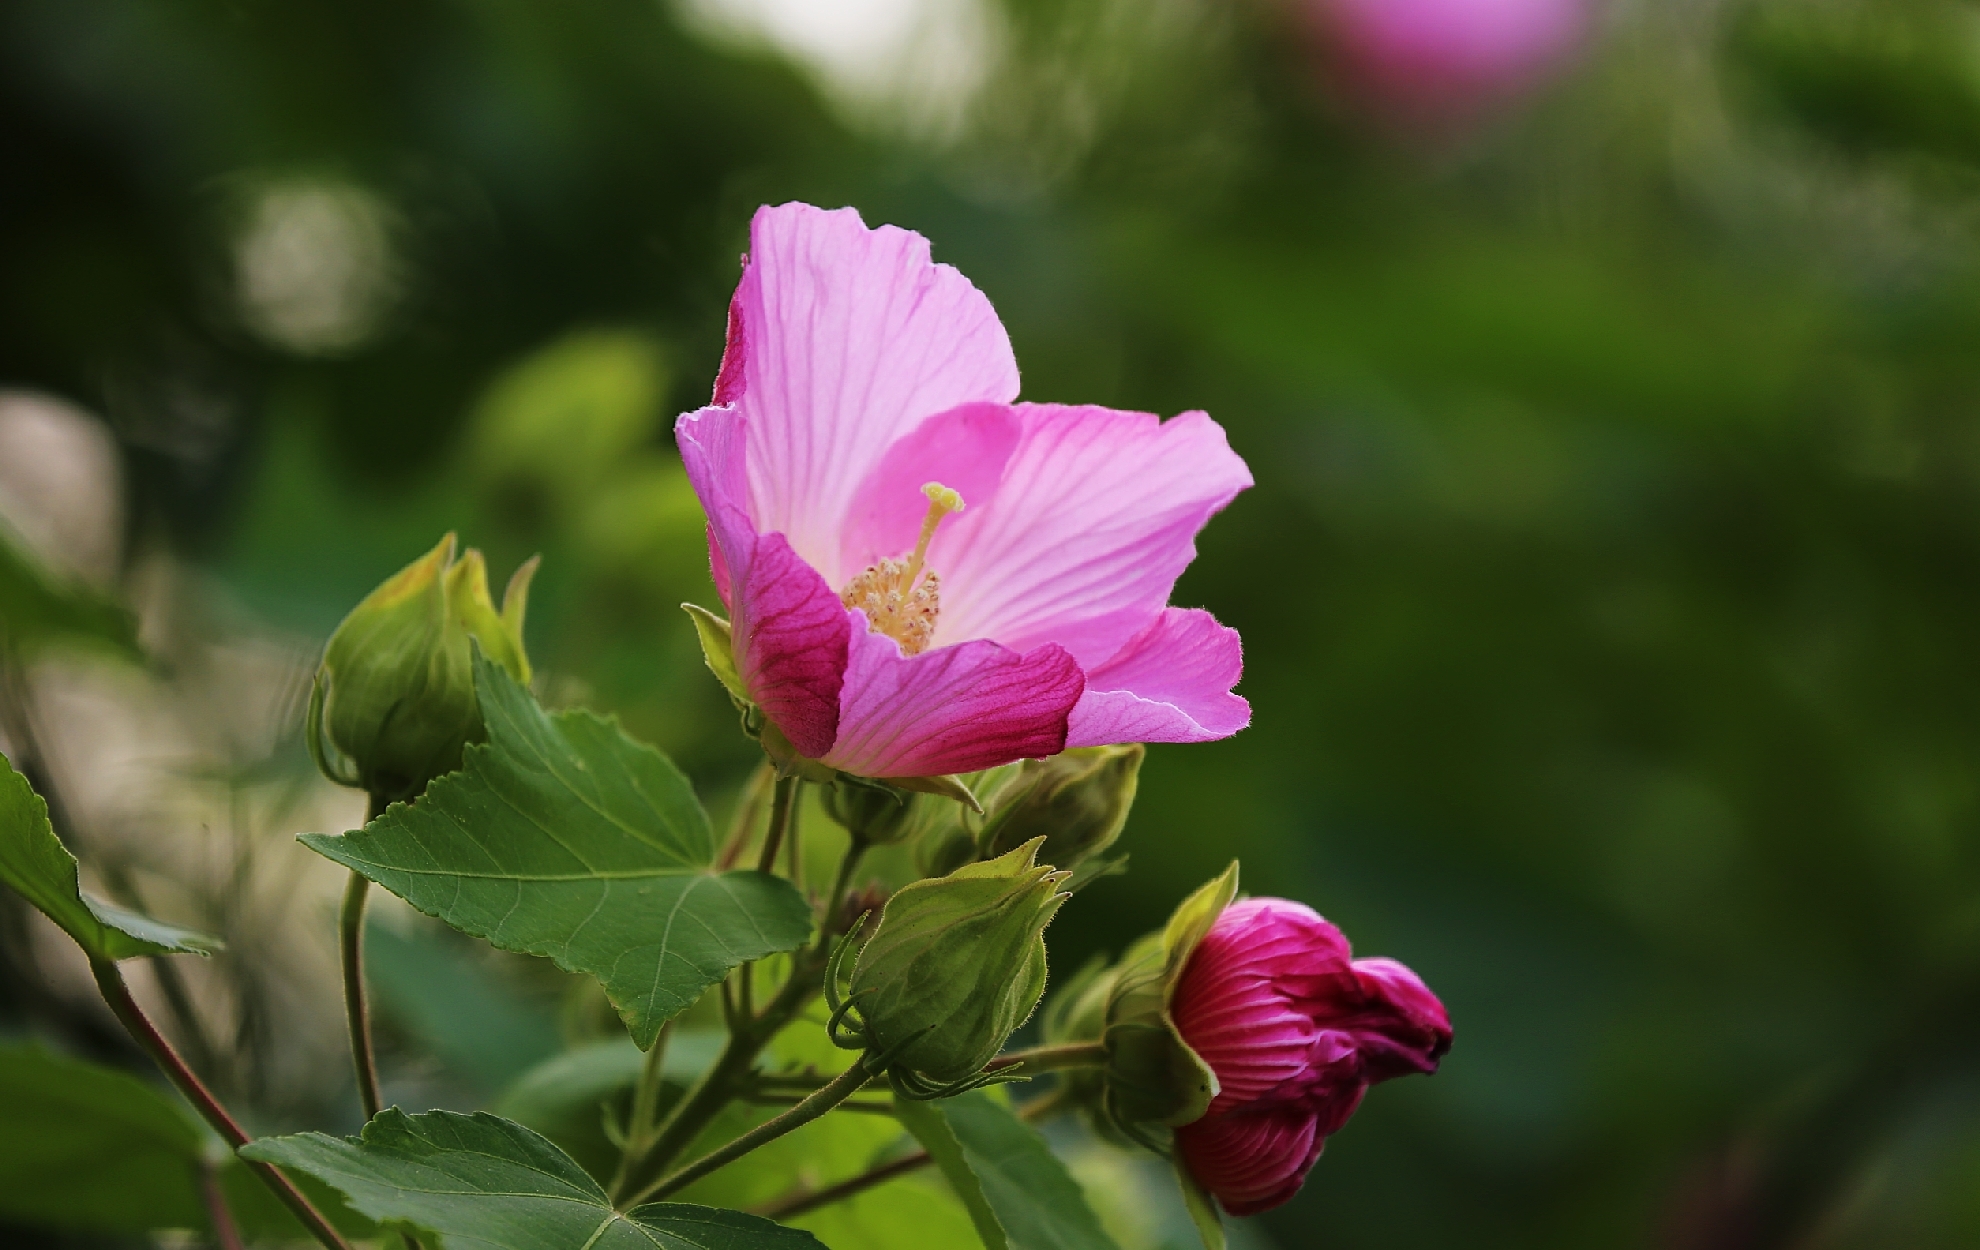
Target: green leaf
[(484, 1182), (1201, 1206), (931, 1128), (562, 837), (1018, 1192), (36, 609), (36, 864)]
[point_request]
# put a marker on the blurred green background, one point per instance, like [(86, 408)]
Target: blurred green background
[(1610, 590)]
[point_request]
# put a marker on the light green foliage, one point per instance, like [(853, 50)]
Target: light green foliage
[(484, 1182), (36, 864), (957, 964), (566, 417), (37, 609), (1019, 1194), (562, 837)]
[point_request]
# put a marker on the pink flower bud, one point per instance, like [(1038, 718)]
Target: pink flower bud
[(1296, 1032), (1435, 63)]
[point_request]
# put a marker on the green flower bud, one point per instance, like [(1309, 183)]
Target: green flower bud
[(1077, 801), (956, 965), (393, 703), (875, 815)]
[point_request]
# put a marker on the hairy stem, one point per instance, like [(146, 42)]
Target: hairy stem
[(357, 1006), (111, 982), (841, 1088)]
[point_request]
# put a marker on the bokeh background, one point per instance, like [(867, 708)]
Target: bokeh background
[(1610, 590)]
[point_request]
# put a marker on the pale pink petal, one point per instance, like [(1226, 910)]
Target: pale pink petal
[(1171, 683), (789, 628), (1094, 517), (965, 449), (949, 710), (842, 340)]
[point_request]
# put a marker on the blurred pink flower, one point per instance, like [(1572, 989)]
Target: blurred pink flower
[(1296, 1033), (924, 577), (1437, 62)]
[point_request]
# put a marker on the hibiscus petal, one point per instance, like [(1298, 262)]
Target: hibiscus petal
[(1252, 1160), (1095, 517), (965, 449), (842, 340), (790, 630), (1171, 683), (950, 710)]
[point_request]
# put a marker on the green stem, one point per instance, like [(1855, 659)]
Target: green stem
[(780, 819), (357, 1008), (1051, 1058), (840, 885), (748, 804), (842, 1087), (111, 982), (646, 1106)]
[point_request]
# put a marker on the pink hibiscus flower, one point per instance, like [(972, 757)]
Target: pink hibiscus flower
[(924, 577), (1296, 1031)]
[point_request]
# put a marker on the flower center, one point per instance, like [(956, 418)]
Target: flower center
[(895, 602)]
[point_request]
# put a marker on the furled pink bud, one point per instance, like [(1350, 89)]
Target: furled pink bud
[(1296, 1031), (1432, 64)]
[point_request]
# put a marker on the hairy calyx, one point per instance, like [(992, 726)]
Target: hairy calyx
[(902, 598)]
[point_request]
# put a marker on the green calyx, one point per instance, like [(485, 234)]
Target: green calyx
[(393, 703), (1078, 801), (956, 964), (1152, 1079)]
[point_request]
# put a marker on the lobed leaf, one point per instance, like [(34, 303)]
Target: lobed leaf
[(562, 837), (484, 1182), (36, 864)]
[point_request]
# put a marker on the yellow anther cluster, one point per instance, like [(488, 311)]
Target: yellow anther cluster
[(906, 613), (900, 599)]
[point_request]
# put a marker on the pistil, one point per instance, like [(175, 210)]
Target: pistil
[(899, 597)]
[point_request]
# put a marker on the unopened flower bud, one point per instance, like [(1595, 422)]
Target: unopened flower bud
[(956, 965), (1077, 800), (394, 702), (874, 815)]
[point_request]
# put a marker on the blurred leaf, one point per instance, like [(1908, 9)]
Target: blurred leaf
[(563, 837), (585, 1076), (431, 984), (1019, 1193), (36, 610), (34, 862), (565, 418), (88, 1147), (482, 1181)]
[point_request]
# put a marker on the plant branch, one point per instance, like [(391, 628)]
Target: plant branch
[(357, 1006), (842, 1087), (116, 993), (748, 804), (1051, 1058)]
